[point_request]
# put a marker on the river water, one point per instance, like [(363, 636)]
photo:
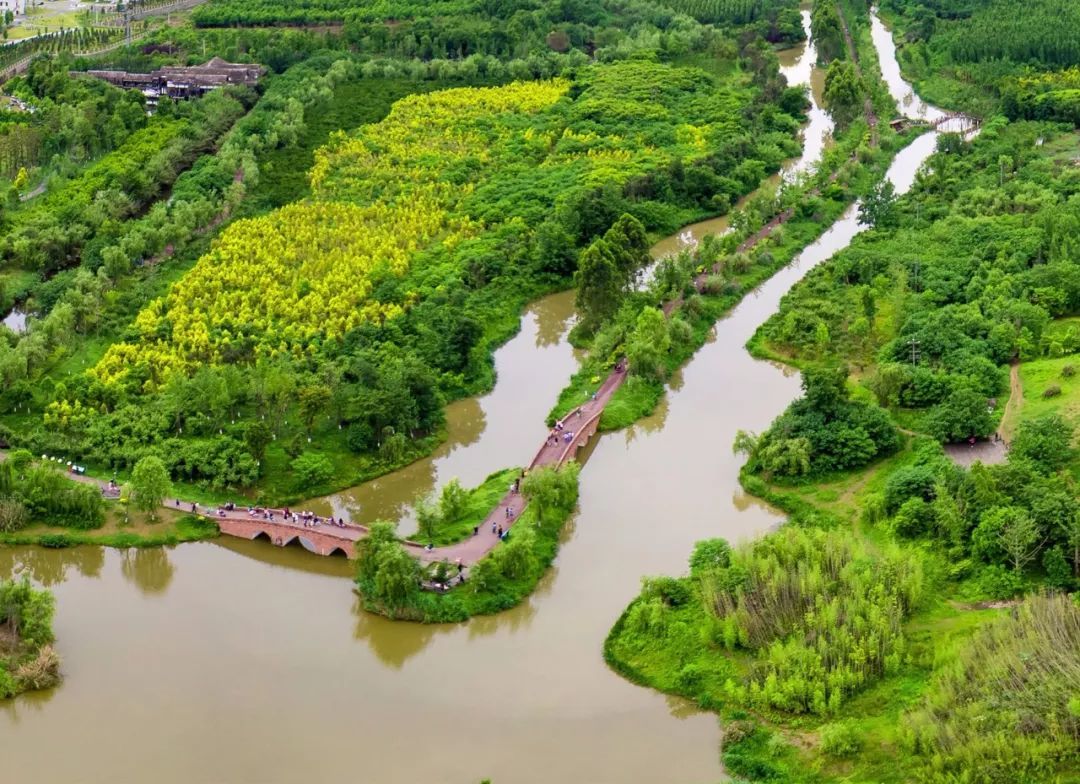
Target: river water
[(15, 321), (240, 662), (799, 66)]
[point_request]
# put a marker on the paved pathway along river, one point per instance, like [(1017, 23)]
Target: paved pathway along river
[(238, 662)]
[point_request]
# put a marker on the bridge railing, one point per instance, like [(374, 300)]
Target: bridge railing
[(581, 437), (542, 449)]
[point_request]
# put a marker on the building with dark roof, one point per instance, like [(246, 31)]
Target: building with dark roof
[(184, 81)]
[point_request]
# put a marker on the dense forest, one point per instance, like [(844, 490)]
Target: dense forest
[(992, 55), (359, 337), (966, 274), (505, 28)]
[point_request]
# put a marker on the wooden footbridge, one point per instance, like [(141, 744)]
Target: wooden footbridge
[(964, 122)]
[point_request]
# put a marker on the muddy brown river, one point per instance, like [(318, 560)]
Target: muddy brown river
[(238, 662)]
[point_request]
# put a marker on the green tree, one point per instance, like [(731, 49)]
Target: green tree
[(151, 484), (1046, 441), (517, 558), (878, 208), (312, 470), (629, 245), (556, 250), (1020, 539), (115, 262), (257, 436), (961, 415), (453, 500), (381, 534), (843, 92), (827, 32), (599, 285), (541, 489), (427, 518), (785, 456), (312, 400), (548, 490), (397, 575), (648, 344)]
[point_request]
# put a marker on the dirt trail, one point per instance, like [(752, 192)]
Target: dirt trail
[(853, 55), (1007, 427)]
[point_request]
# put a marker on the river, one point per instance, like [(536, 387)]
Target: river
[(240, 662)]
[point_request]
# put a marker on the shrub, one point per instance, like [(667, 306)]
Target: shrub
[(671, 591), (822, 616), (997, 582), (1058, 571), (1046, 441), (1052, 391), (41, 672), (1068, 371), (714, 285), (840, 739), (709, 555), (312, 469), (914, 518), (20, 459), (13, 515), (1001, 711), (909, 482), (56, 541)]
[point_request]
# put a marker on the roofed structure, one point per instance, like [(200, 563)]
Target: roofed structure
[(185, 81)]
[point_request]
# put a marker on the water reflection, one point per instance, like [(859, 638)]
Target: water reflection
[(15, 321), (149, 569), (393, 643), (291, 558), (49, 567), (27, 705), (553, 319)]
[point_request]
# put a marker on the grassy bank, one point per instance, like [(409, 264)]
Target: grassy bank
[(459, 511), (891, 727), (173, 529)]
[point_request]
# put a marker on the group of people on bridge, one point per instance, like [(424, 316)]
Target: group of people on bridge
[(560, 430)]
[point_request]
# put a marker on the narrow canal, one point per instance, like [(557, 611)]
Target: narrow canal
[(238, 662)]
